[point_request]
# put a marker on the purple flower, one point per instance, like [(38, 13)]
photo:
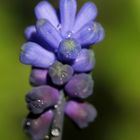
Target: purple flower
[(38, 77), (58, 51), (81, 113), (38, 128), (41, 98), (60, 74), (80, 86)]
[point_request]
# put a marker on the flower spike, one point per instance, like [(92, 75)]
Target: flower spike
[(58, 49)]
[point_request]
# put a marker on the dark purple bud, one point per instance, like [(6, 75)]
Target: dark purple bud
[(39, 128), (60, 74), (80, 86), (40, 98), (38, 77), (85, 61), (81, 113), (68, 50)]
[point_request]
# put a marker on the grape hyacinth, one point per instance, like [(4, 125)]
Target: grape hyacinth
[(58, 49)]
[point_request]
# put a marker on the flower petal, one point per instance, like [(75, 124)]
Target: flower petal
[(38, 76), (32, 36), (68, 12), (81, 113), (85, 61), (33, 54), (80, 86), (41, 98), (39, 128), (48, 32), (44, 10), (101, 32), (90, 34), (29, 31), (87, 13)]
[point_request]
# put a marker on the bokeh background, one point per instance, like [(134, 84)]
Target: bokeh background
[(117, 72)]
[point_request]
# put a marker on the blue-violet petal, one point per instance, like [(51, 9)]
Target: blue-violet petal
[(44, 10), (87, 13), (49, 33), (90, 34), (33, 54), (85, 61), (68, 12)]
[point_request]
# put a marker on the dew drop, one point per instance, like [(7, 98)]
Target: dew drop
[(89, 29), (56, 106), (55, 132), (46, 137), (40, 102), (28, 123), (69, 34)]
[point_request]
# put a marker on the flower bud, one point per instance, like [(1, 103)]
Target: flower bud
[(68, 50), (38, 77), (33, 54), (81, 113), (60, 74), (85, 61), (38, 128), (41, 98), (80, 86)]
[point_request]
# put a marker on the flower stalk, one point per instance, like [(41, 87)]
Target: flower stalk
[(57, 125)]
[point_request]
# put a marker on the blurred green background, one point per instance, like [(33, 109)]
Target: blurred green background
[(117, 73)]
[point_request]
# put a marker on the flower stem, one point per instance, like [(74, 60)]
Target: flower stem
[(57, 125)]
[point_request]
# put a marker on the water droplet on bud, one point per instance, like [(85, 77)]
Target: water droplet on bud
[(69, 34), (55, 132), (28, 123), (46, 137), (56, 106)]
